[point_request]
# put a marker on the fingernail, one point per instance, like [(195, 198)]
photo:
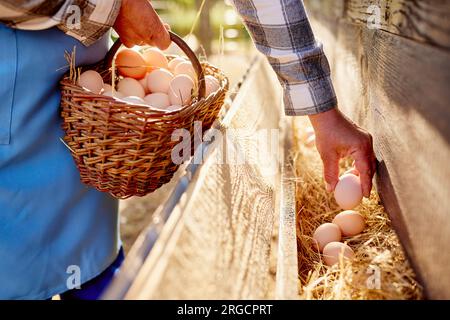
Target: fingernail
[(328, 187)]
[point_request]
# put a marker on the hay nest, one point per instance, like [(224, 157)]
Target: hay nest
[(379, 269)]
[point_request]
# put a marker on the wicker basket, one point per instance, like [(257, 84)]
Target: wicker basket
[(126, 149)]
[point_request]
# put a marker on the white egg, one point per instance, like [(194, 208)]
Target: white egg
[(118, 95), (107, 87), (109, 93), (130, 87), (211, 85), (157, 100), (174, 62), (348, 192), (187, 69), (174, 107), (91, 80), (333, 251), (133, 100), (180, 89), (143, 83), (159, 80), (326, 233)]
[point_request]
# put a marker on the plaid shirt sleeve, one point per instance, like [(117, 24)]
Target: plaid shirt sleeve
[(85, 20), (280, 29)]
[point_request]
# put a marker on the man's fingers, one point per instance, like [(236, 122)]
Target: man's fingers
[(127, 42), (161, 38), (363, 163), (331, 170), (156, 32)]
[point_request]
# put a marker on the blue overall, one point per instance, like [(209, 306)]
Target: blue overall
[(51, 225)]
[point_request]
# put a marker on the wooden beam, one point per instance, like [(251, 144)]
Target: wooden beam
[(398, 89), (409, 115), (425, 21)]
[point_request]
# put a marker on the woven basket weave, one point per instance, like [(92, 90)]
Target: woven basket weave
[(126, 149)]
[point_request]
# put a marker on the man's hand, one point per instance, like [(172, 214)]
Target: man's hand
[(139, 24), (338, 137)]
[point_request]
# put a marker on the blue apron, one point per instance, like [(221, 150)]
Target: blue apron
[(53, 229)]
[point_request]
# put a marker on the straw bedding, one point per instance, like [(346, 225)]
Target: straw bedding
[(379, 269)]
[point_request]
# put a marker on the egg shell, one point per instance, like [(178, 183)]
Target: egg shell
[(334, 250), (91, 80), (350, 222), (133, 100), (131, 64), (155, 58), (159, 80), (348, 192), (180, 89), (157, 100), (326, 233), (174, 62), (211, 85), (130, 87), (187, 69)]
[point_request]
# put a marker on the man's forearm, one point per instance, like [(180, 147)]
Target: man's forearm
[(281, 31), (85, 20)]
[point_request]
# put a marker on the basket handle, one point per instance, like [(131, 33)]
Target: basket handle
[(183, 46)]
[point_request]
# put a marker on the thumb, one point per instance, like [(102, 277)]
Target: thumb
[(331, 170)]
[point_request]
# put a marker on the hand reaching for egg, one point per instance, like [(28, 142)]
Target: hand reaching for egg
[(139, 24), (338, 137)]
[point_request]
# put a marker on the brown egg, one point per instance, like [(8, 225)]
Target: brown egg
[(326, 233), (130, 63), (350, 222), (334, 250), (348, 192), (91, 80), (155, 58)]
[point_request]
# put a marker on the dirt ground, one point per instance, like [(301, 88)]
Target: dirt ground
[(136, 213)]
